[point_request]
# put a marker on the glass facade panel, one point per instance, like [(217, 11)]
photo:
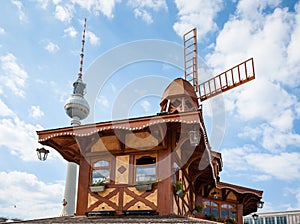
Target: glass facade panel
[(248, 221), (281, 220), (259, 221), (270, 220)]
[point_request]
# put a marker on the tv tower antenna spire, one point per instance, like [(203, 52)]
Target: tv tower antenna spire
[(82, 50)]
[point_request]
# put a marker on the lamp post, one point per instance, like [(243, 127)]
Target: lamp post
[(42, 153)]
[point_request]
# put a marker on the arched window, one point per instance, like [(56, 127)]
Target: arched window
[(145, 169), (101, 171), (219, 210)]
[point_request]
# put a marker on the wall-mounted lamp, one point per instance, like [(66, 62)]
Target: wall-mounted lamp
[(255, 216), (42, 153), (215, 194), (194, 136), (260, 204)]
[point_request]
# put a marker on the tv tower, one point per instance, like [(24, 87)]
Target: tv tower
[(77, 108)]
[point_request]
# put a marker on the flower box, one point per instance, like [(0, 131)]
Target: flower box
[(143, 186), (97, 188)]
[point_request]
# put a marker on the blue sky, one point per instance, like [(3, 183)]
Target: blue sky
[(40, 43)]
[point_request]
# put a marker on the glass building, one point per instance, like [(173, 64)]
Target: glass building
[(287, 217)]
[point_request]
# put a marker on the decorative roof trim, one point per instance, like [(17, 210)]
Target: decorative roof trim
[(128, 124), (239, 189)]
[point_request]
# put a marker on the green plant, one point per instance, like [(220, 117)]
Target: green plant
[(179, 189), (212, 217), (230, 221), (198, 208), (179, 186), (101, 182)]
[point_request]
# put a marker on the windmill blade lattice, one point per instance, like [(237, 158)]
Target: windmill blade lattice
[(231, 78)]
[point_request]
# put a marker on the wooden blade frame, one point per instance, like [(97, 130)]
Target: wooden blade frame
[(237, 75), (190, 58)]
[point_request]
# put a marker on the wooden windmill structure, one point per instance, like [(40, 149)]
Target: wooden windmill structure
[(160, 164)]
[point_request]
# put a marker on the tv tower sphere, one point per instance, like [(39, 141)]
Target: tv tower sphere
[(76, 106)]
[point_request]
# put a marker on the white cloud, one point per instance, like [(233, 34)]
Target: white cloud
[(12, 75), (270, 35), (197, 13), (234, 158), (270, 137), (94, 40), (4, 110), (36, 112), (146, 105), (64, 13), (21, 143), (270, 39), (282, 165), (19, 137), (71, 32), (151, 4), (142, 8), (261, 99), (24, 196), (106, 7), (52, 47), (2, 31), (19, 5), (275, 140), (262, 177), (254, 9), (43, 4), (144, 15), (103, 101)]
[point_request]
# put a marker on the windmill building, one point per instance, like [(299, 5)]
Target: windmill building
[(153, 165)]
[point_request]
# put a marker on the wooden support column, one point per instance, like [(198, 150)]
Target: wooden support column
[(83, 187), (239, 214), (164, 184)]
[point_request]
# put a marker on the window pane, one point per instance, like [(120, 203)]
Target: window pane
[(259, 221), (206, 203), (227, 206), (214, 204), (99, 175), (270, 220), (281, 220), (146, 173), (232, 214), (101, 163), (206, 211), (248, 220), (215, 211), (224, 213)]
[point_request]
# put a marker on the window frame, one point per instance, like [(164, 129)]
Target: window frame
[(136, 158), (212, 204), (109, 167)]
